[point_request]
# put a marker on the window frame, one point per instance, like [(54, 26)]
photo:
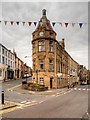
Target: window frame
[(41, 63), (51, 65), (51, 46), (41, 47), (41, 80)]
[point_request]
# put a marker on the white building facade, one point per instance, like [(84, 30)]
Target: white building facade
[(7, 63)]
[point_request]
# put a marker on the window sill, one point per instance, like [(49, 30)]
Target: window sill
[(50, 70), (51, 52)]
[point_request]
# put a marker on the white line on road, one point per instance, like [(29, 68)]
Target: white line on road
[(27, 103), (84, 89), (52, 95), (75, 88), (41, 101), (33, 101), (19, 107), (23, 102), (79, 89)]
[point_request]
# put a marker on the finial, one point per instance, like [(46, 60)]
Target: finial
[(43, 12)]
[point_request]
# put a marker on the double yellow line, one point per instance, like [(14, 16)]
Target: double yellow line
[(10, 109), (9, 89)]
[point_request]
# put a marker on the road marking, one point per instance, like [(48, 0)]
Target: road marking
[(79, 89), (23, 102), (27, 103), (84, 89), (9, 89), (19, 107), (33, 101), (52, 95), (41, 101), (8, 110), (75, 88)]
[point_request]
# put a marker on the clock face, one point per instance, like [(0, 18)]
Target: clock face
[(41, 33)]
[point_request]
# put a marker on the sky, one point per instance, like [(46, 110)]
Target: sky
[(20, 37)]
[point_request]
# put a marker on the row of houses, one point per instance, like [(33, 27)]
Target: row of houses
[(52, 64), (11, 67)]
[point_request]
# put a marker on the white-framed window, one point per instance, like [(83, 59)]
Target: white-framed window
[(9, 62), (3, 51), (41, 45), (41, 80)]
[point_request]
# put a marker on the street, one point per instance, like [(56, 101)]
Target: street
[(70, 104)]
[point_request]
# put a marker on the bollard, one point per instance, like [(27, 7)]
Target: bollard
[(2, 97)]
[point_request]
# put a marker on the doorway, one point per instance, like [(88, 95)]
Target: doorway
[(50, 82)]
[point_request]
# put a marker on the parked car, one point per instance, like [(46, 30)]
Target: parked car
[(26, 76)]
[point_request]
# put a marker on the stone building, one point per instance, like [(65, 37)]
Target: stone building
[(52, 65)]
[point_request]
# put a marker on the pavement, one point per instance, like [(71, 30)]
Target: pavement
[(20, 90), (7, 105)]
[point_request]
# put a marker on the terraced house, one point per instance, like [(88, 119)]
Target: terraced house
[(11, 67), (7, 63), (52, 65)]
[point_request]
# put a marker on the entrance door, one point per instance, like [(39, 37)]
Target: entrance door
[(50, 82)]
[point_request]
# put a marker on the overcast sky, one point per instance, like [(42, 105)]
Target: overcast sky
[(20, 37)]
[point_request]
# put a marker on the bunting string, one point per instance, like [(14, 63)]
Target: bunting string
[(65, 24)]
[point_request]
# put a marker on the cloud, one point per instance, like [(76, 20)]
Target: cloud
[(20, 37)]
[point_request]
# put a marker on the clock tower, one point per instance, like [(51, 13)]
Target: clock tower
[(43, 53)]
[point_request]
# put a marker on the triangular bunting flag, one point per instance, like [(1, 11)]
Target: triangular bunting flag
[(29, 23), (60, 23), (66, 24), (80, 24), (5, 22), (35, 23), (23, 23), (12, 22), (53, 23), (73, 24), (47, 23), (17, 23)]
